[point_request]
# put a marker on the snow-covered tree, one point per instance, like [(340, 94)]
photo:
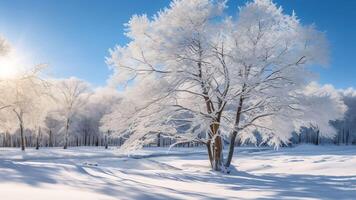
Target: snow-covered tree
[(21, 100), (226, 78), (88, 121), (347, 126), (44, 104), (53, 125), (70, 95)]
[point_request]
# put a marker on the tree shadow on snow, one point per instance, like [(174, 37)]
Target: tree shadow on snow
[(281, 186), (128, 184), (287, 186), (18, 172)]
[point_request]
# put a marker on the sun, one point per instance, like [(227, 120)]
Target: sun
[(7, 71), (10, 66)]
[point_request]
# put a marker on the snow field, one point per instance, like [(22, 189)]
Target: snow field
[(304, 172)]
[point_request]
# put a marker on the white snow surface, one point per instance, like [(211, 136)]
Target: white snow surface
[(303, 172)]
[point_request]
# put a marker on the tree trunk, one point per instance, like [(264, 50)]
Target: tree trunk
[(97, 141), (347, 137), (317, 137), (22, 137), (106, 140), (210, 155), (234, 133), (50, 142), (38, 139), (300, 138), (217, 153), (231, 149), (66, 135), (159, 140)]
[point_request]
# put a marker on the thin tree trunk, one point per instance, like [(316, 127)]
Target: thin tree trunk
[(231, 149), (50, 143), (217, 153), (22, 138), (210, 155), (347, 136), (159, 140), (66, 135), (234, 133), (300, 138), (38, 139)]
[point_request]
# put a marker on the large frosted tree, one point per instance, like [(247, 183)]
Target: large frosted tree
[(192, 72)]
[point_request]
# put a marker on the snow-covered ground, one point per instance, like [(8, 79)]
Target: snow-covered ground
[(304, 172)]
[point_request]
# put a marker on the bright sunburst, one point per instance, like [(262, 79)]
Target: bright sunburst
[(10, 65), (7, 69)]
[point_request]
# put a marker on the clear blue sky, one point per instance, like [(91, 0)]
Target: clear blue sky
[(74, 36)]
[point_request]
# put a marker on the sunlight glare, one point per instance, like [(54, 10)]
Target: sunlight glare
[(10, 65)]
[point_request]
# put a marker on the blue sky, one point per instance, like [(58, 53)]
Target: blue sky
[(73, 36)]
